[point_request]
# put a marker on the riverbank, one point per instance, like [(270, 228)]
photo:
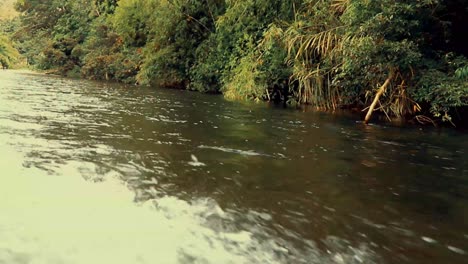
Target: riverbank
[(329, 54), (353, 113)]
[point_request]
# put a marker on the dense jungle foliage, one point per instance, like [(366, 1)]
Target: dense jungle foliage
[(409, 56), (9, 55)]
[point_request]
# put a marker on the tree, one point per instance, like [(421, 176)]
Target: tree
[(402, 58), (342, 50), (8, 54)]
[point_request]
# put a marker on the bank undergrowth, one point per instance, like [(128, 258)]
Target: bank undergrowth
[(408, 57)]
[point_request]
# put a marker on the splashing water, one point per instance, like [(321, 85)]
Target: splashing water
[(100, 173), (65, 219)]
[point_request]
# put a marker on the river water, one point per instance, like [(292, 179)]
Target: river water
[(102, 173)]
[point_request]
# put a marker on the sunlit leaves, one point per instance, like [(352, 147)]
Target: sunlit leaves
[(8, 54), (329, 53), (462, 73)]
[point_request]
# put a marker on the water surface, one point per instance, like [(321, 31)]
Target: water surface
[(103, 173)]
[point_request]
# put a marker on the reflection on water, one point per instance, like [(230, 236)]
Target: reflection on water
[(101, 173)]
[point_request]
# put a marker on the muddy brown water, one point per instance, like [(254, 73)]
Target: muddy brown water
[(103, 173)]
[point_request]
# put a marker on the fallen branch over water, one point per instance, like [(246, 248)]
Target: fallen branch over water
[(376, 99)]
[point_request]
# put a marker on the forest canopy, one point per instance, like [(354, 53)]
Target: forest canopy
[(406, 56), (8, 53)]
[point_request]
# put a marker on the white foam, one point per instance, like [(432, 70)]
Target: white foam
[(456, 250), (230, 150), (66, 219), (195, 162), (429, 240)]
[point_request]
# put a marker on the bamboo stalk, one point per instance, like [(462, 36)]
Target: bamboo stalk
[(376, 99)]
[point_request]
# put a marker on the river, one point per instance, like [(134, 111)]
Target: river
[(97, 172)]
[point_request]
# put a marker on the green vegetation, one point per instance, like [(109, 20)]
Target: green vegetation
[(408, 57), (7, 10), (9, 55)]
